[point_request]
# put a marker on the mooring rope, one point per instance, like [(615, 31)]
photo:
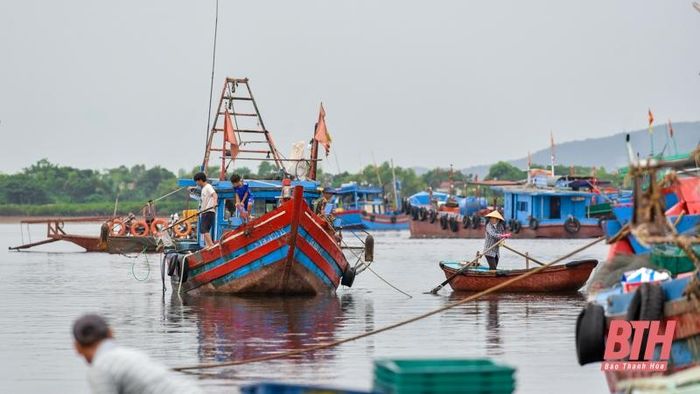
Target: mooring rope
[(387, 282), (148, 265), (391, 326)]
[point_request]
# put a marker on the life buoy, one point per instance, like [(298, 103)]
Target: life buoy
[(476, 221), (572, 225), (466, 222), (453, 224), (590, 334), (393, 219), (516, 226), (433, 216), (116, 227), (443, 222), (158, 225), (139, 229), (534, 224), (182, 230)]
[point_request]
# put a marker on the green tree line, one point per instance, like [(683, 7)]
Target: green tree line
[(45, 188)]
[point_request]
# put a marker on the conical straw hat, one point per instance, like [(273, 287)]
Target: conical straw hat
[(495, 214)]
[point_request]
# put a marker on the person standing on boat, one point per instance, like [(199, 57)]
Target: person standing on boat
[(495, 231), (321, 206), (244, 200), (149, 213), (117, 369), (208, 202)]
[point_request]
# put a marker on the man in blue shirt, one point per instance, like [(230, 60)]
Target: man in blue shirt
[(244, 199)]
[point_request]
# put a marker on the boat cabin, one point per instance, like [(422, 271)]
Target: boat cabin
[(265, 194), (550, 201), (353, 197)]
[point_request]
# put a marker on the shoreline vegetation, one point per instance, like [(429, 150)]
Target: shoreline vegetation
[(46, 189)]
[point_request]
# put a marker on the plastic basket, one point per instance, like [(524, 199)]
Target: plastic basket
[(284, 388)]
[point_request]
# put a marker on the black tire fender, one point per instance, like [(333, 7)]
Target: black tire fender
[(466, 222), (572, 225), (534, 223), (590, 334), (348, 277), (476, 221), (443, 222)]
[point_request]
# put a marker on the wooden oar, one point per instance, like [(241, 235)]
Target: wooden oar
[(448, 280), (534, 260)]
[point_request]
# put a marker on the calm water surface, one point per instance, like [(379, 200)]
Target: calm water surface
[(42, 292)]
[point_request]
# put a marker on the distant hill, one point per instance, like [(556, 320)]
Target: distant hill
[(608, 152)]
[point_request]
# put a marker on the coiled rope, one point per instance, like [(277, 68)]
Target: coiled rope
[(391, 326)]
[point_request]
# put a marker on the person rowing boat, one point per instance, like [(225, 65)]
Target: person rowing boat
[(495, 231)]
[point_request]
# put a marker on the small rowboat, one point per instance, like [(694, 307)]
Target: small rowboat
[(559, 278)]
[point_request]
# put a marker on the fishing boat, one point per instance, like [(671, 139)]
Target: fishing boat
[(661, 258), (284, 247), (367, 208), (544, 207), (55, 231), (558, 278)]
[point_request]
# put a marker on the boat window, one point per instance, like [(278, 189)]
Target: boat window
[(522, 206)]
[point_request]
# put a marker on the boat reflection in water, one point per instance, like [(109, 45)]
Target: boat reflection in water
[(239, 328)]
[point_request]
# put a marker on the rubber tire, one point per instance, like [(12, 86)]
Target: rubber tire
[(466, 222), (453, 224), (433, 216), (414, 213), (422, 214), (348, 277), (516, 226), (590, 334), (476, 222), (646, 304), (534, 224), (443, 222), (572, 221)]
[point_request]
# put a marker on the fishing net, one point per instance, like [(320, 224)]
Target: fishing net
[(609, 273)]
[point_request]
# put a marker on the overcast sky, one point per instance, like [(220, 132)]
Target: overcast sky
[(96, 84)]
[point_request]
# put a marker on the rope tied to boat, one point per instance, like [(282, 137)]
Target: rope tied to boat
[(390, 326)]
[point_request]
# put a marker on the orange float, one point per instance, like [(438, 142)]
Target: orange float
[(158, 225), (139, 229), (182, 230), (116, 227)]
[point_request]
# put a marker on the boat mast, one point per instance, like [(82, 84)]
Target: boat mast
[(313, 166), (248, 128), (396, 195)]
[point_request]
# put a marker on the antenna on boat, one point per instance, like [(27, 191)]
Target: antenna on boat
[(211, 83)]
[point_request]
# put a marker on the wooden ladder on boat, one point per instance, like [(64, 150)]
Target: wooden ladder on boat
[(254, 140)]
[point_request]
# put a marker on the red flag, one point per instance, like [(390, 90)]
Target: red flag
[(322, 135), (230, 135), (651, 120), (670, 129)]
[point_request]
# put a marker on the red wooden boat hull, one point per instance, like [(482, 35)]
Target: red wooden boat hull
[(289, 250), (425, 229), (89, 243), (559, 278)]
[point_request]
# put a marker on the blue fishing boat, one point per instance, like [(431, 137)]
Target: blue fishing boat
[(366, 207), (659, 283)]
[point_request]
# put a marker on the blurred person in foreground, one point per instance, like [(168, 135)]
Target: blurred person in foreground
[(116, 369)]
